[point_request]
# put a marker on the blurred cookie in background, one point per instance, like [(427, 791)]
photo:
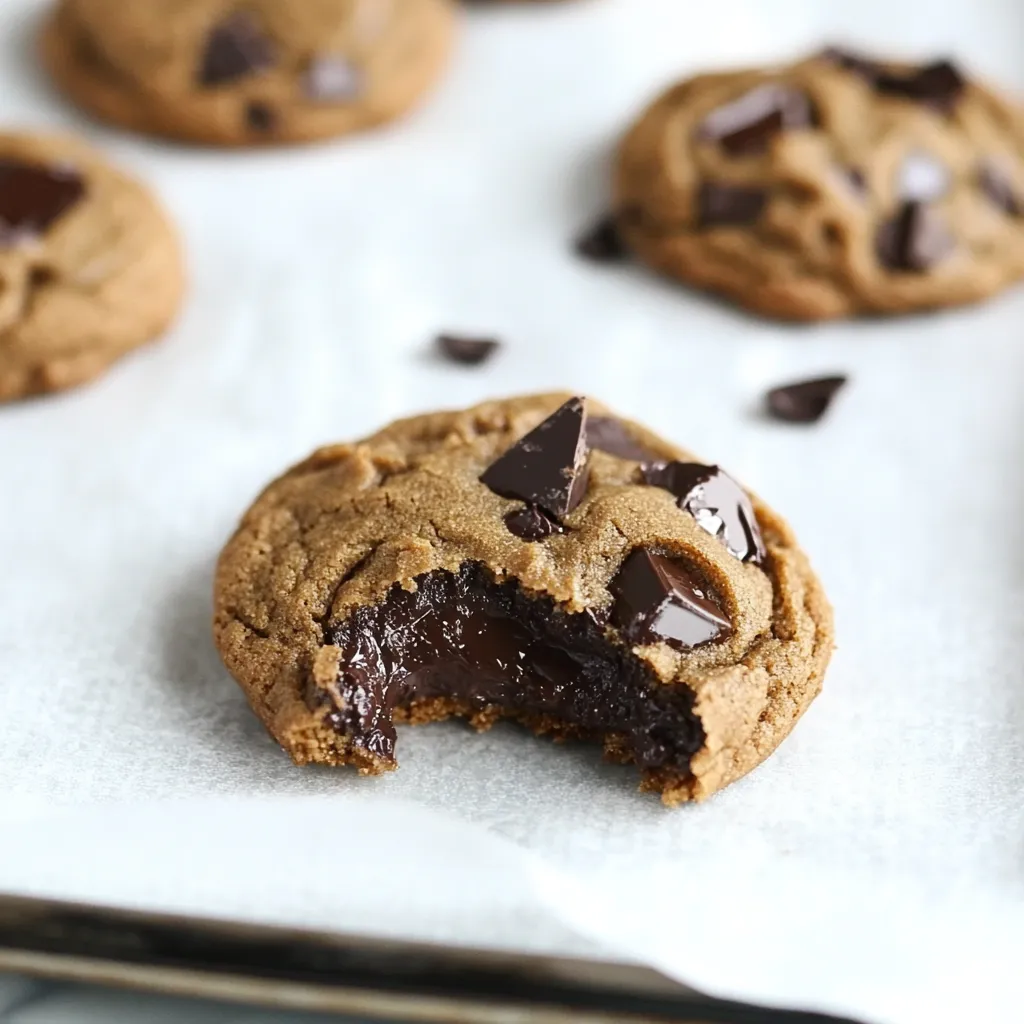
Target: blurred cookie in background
[(832, 187), (271, 71), (90, 267)]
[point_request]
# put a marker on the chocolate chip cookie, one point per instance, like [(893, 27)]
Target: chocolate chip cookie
[(256, 72), (90, 267), (836, 186), (538, 559)]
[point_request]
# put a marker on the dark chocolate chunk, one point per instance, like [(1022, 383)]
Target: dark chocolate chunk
[(41, 276), (532, 523), (260, 117), (923, 178), (331, 78), (858, 182), (915, 239), (607, 434), (33, 197), (467, 351), (748, 125), (547, 467), (235, 48), (998, 186), (465, 638), (661, 601), (937, 85), (805, 401), (603, 242), (720, 506), (719, 204)]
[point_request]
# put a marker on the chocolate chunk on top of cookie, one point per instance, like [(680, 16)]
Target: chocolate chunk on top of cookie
[(835, 186), (499, 563), (33, 196)]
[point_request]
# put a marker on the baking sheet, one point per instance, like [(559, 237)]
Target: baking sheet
[(873, 866)]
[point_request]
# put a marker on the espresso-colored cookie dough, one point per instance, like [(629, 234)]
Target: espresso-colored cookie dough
[(90, 267), (832, 187), (538, 559), (248, 73)]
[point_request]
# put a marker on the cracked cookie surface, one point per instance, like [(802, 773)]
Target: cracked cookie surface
[(250, 73), (835, 186), (90, 267), (614, 590)]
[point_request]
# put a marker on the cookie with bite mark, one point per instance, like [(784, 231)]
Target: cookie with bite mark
[(538, 559)]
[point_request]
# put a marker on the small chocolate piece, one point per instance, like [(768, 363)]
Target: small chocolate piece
[(661, 601), (42, 277), (547, 467), (858, 182), (998, 186), (603, 242), (939, 85), (805, 401), (33, 197), (532, 523), (260, 117), (915, 239), (719, 204), (466, 351), (720, 506), (747, 125), (607, 434), (331, 78), (922, 178), (235, 48)]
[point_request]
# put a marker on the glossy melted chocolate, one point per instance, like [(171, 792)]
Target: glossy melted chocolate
[(483, 644)]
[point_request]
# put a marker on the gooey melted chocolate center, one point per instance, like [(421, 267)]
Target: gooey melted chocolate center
[(481, 644)]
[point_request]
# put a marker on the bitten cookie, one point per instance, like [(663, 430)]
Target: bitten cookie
[(90, 267), (537, 559), (836, 186), (248, 73)]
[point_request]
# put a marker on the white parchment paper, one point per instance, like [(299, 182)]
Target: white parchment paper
[(873, 866)]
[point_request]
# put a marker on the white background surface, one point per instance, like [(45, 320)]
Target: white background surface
[(873, 866)]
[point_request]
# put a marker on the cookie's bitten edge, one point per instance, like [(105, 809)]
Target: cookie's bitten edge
[(746, 712)]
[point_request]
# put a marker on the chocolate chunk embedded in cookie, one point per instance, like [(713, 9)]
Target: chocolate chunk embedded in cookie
[(423, 573), (90, 267), (832, 187), (263, 72)]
